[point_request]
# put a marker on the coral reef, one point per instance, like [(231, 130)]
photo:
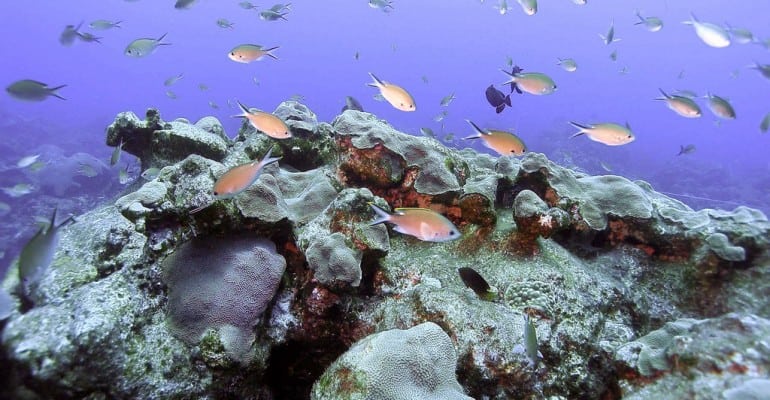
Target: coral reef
[(632, 294)]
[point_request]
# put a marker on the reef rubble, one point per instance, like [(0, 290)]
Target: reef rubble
[(632, 293)]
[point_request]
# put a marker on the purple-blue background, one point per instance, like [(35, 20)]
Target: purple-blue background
[(459, 45)]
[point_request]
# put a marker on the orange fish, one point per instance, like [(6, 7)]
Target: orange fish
[(268, 123), (422, 223), (239, 178), (397, 96), (247, 53), (504, 143)]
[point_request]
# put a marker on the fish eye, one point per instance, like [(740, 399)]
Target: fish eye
[(215, 193)]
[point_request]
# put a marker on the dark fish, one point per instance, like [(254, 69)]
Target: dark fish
[(497, 99), (477, 283), (351, 104), (686, 149), (515, 70)]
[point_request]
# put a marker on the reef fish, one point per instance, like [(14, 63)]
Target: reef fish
[(653, 24), (528, 6), (247, 53), (531, 82), (103, 24), (239, 178), (265, 122), (504, 143), (712, 35), (497, 99), (144, 46), (610, 38), (474, 281), (720, 106), (31, 90), (397, 96), (606, 133), (422, 223), (681, 105), (686, 149), (765, 124), (37, 254), (352, 104), (567, 64)]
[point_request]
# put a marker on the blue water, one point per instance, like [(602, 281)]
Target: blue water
[(458, 45)]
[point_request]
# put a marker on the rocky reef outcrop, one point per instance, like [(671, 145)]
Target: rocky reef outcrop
[(632, 294)]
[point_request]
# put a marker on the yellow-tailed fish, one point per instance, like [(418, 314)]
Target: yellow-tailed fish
[(422, 223), (247, 53), (397, 96), (567, 64), (31, 90), (681, 105), (504, 143), (765, 124), (37, 254), (610, 38), (531, 82), (653, 24), (528, 6), (606, 133), (239, 178), (720, 106), (712, 35), (144, 46), (265, 122)]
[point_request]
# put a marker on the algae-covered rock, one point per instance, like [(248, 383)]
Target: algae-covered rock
[(394, 365)]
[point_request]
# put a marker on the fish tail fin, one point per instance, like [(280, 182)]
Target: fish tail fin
[(243, 108), (581, 129), (377, 82), (665, 95), (53, 90), (479, 132), (160, 40), (508, 100), (604, 38), (681, 150), (117, 24), (267, 160), (52, 224), (382, 215), (269, 54)]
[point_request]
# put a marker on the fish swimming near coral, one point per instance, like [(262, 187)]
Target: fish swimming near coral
[(474, 281), (265, 122), (397, 96), (240, 177), (504, 143), (606, 133), (422, 223), (37, 254), (497, 99)]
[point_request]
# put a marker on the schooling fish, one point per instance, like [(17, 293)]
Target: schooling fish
[(422, 223), (653, 24), (397, 96), (474, 281), (606, 133), (144, 46), (265, 122), (37, 254), (567, 64), (504, 143), (239, 178), (765, 124), (531, 82), (686, 149), (530, 341), (497, 99), (720, 106), (528, 6), (103, 24), (610, 38), (681, 105), (712, 35), (115, 158), (247, 53), (31, 90)]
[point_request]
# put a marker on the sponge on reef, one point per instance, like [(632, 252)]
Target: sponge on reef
[(221, 283)]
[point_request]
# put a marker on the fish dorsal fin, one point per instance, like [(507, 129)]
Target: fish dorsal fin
[(402, 210)]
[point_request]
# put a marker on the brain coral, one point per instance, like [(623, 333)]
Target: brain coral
[(224, 283), (417, 363)]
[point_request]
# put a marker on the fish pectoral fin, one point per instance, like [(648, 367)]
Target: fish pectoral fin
[(425, 231)]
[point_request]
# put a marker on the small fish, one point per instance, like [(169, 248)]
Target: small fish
[(449, 137), (255, 80), (224, 23), (397, 96), (427, 132), (69, 34), (31, 90), (356, 56), (378, 97), (509, 61), (712, 35), (440, 116), (528, 6), (610, 38), (686, 149), (474, 281), (531, 82), (87, 170), (247, 53), (653, 24), (681, 105), (184, 4), (424, 79), (567, 64), (530, 341), (281, 7), (37, 166), (422, 223), (447, 99), (623, 71), (504, 143), (681, 75), (89, 37), (606, 133), (144, 46), (103, 24), (497, 99), (123, 177), (115, 158), (763, 69), (26, 161), (18, 190), (614, 55), (580, 2), (213, 105), (720, 106), (150, 173), (270, 15), (203, 87), (247, 5), (37, 254), (172, 80), (351, 104), (741, 36), (382, 5), (605, 166), (765, 124), (171, 95), (239, 178), (265, 122)]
